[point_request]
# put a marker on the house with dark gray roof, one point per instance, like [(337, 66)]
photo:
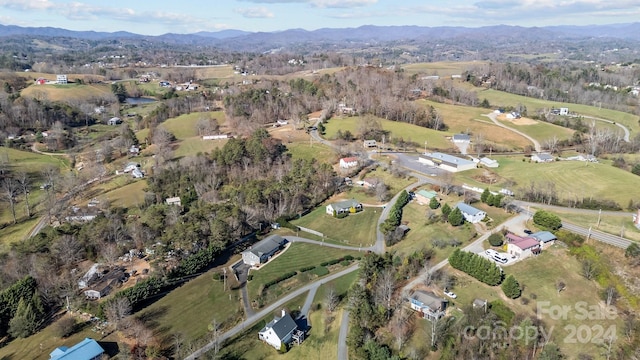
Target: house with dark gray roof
[(461, 138), (261, 251), (278, 331)]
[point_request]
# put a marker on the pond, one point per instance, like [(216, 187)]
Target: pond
[(139, 100)]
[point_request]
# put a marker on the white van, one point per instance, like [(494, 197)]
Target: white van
[(500, 258), (491, 252)]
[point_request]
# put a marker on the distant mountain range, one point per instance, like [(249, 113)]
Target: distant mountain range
[(363, 34)]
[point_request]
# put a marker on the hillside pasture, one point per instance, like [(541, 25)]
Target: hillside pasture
[(408, 132), (572, 179), (501, 98), (356, 229), (441, 68), (78, 92), (540, 130), (467, 119)]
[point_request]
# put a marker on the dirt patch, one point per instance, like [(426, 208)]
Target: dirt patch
[(487, 177), (520, 121)]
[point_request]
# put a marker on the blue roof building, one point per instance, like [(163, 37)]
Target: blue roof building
[(87, 349)]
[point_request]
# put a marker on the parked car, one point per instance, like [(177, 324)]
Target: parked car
[(450, 294), (528, 232)]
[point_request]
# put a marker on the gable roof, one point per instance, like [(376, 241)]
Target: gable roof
[(543, 236), (447, 159), (86, 349), (428, 299), (468, 209), (349, 159), (461, 137), (345, 204), (266, 245), (544, 156), (284, 326), (526, 243)]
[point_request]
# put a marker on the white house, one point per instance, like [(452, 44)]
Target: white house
[(344, 207), (447, 162), (564, 111), (173, 201), (61, 79), (541, 157), (348, 162), (137, 173), (114, 121), (522, 248), (278, 331), (370, 143), (131, 166), (470, 213), (215, 137), (490, 163)]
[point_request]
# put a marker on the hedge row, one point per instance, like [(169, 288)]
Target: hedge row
[(395, 215), (280, 278), (306, 268)]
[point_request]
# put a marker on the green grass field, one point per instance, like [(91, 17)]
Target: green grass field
[(129, 195), (64, 92), (355, 230), (19, 160), (500, 98), (539, 275), (320, 152), (542, 131), (190, 308), (184, 126), (572, 179), (408, 132), (16, 233), (609, 224), (297, 256)]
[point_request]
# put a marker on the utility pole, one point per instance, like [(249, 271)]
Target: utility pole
[(589, 234), (599, 213), (425, 147), (224, 279)]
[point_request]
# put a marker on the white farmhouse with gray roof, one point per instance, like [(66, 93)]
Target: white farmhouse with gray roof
[(447, 162), (470, 213), (278, 331), (261, 251)]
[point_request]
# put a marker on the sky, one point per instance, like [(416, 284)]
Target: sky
[(155, 17)]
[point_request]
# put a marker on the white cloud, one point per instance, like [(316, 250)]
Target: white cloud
[(255, 12), (320, 3)]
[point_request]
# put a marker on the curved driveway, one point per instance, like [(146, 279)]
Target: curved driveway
[(535, 142), (627, 134)]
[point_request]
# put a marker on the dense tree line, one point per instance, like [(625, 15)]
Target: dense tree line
[(477, 266)]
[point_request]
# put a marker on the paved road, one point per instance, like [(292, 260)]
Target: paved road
[(268, 310), (294, 239), (493, 118), (597, 235), (343, 353), (627, 135), (524, 204), (307, 303)]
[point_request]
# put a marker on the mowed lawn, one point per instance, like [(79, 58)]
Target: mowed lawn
[(501, 98), (408, 132), (319, 152), (129, 195), (357, 229), (184, 126), (572, 179), (297, 256), (422, 235), (190, 308), (19, 160), (539, 276), (608, 223)]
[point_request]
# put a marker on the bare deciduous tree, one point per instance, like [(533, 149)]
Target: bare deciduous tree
[(117, 310), (24, 182), (10, 190), (331, 299)]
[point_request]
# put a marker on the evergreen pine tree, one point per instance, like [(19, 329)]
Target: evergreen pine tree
[(433, 203), (485, 195), (24, 322), (510, 287), (446, 209), (456, 218)]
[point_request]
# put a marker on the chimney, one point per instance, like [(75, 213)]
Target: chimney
[(284, 313)]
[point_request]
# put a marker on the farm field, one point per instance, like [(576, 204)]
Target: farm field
[(354, 230), (500, 98), (130, 195), (297, 256), (441, 68), (471, 120), (541, 131), (69, 91), (319, 152), (572, 179), (184, 126)]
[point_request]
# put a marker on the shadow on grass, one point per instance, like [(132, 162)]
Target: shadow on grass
[(110, 347)]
